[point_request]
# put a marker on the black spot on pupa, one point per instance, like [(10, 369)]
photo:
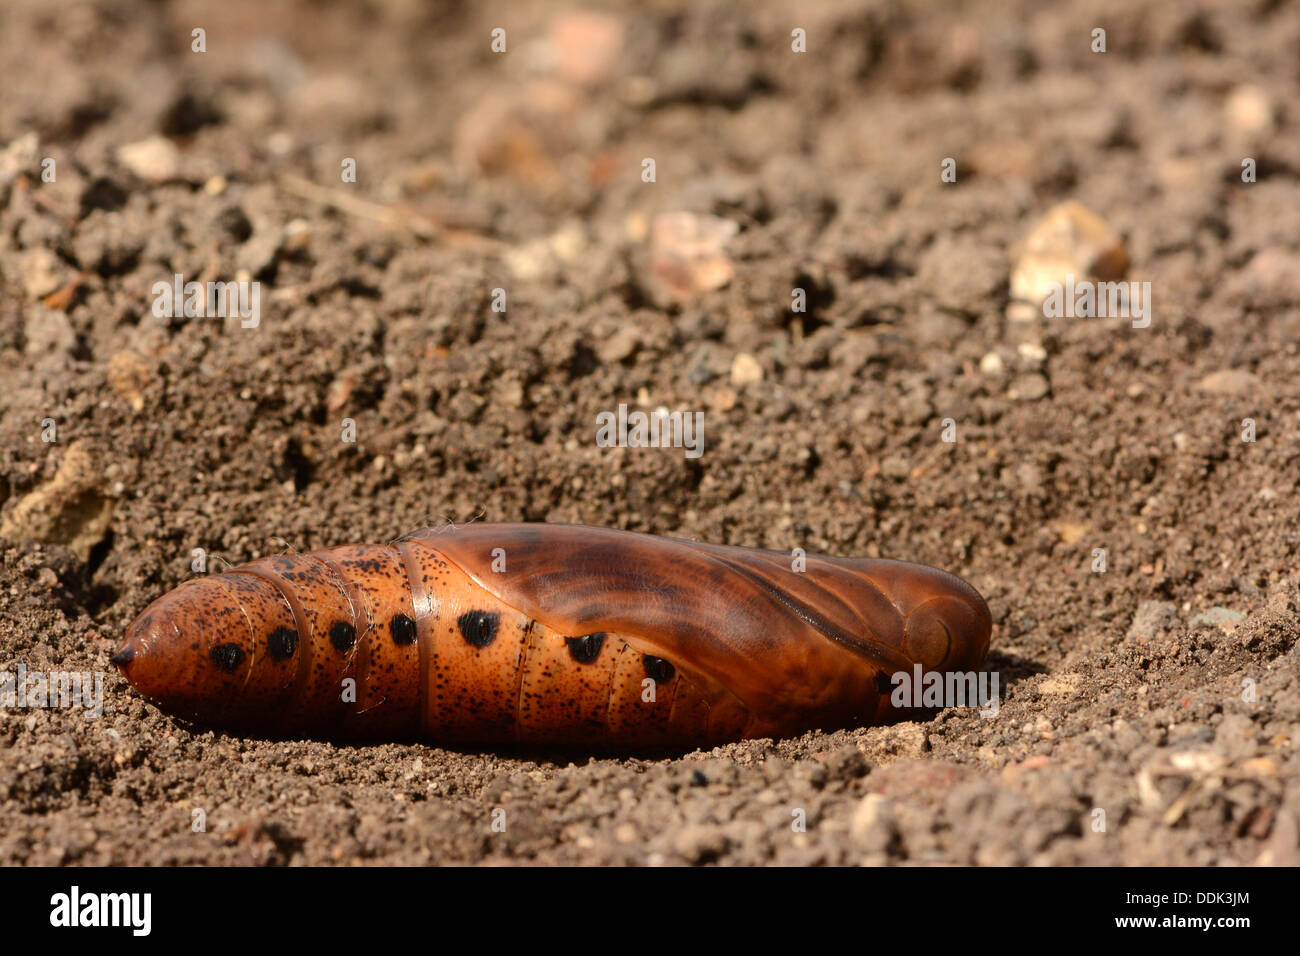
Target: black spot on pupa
[(282, 643), (884, 684), (478, 627), (122, 657), (342, 635), (403, 629), (586, 649), (657, 669), (227, 657)]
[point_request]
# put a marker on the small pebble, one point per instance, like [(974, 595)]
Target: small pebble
[(43, 272), (873, 827), (621, 345), (1232, 381), (723, 399), (688, 254), (1029, 387), (586, 45), (1250, 112), (745, 370), (1033, 353), (1069, 240), (1153, 619), (154, 160), (1217, 616), (700, 844)]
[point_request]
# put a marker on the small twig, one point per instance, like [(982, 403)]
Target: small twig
[(393, 216)]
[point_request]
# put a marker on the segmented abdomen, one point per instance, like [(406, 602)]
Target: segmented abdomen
[(373, 641), (547, 634)]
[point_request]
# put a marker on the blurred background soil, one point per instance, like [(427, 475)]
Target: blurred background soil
[(1127, 694)]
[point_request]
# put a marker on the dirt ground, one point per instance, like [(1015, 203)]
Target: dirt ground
[(1150, 712)]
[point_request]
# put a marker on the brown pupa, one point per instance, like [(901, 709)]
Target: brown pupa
[(550, 634)]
